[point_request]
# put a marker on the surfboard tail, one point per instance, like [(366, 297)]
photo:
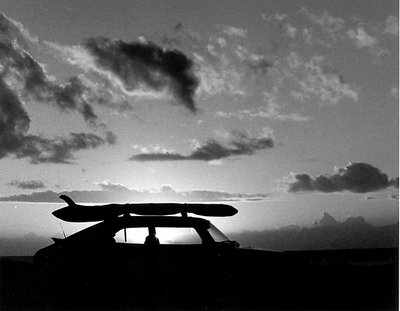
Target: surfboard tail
[(67, 200)]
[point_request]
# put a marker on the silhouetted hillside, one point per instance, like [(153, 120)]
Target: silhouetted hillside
[(326, 233)]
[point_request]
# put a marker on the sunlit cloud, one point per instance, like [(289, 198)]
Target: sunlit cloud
[(234, 31), (107, 185), (364, 40)]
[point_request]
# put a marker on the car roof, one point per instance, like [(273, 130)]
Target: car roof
[(113, 225), (157, 221)]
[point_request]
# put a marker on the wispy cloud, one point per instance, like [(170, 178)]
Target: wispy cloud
[(239, 144), (271, 110), (392, 25), (323, 82), (234, 31), (355, 177), (329, 23), (27, 184), (258, 63), (114, 192), (363, 40)]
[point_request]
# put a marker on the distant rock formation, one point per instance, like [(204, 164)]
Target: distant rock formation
[(325, 233), (326, 221)]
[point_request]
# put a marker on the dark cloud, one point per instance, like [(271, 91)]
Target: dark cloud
[(259, 65), (394, 182), (14, 139), (58, 150), (355, 177), (144, 64), (241, 144), (31, 80), (22, 77), (28, 184)]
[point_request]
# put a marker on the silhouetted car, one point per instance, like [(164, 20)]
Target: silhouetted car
[(165, 259)]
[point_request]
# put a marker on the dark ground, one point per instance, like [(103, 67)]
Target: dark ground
[(334, 280)]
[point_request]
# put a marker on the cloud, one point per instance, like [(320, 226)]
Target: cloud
[(28, 184), (234, 31), (239, 144), (15, 140), (365, 41), (392, 25), (271, 110), (362, 38), (394, 91), (121, 194), (61, 149), (258, 63), (107, 185), (145, 65), (355, 177), (11, 29), (31, 81), (328, 23), (220, 76), (324, 82)]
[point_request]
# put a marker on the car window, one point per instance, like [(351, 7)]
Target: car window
[(165, 235), (178, 236), (133, 235), (216, 234)]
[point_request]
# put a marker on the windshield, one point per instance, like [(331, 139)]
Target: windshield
[(216, 234)]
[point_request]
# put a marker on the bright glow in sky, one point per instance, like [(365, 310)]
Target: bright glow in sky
[(291, 103)]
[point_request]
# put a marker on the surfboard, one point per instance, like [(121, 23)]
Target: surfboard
[(83, 213)]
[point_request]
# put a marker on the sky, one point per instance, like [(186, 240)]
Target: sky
[(286, 109)]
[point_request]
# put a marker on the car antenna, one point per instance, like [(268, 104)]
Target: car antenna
[(63, 231), (126, 215)]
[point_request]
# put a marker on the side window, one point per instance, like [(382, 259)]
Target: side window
[(133, 235), (178, 236)]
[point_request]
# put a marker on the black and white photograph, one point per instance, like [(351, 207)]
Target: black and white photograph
[(199, 155)]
